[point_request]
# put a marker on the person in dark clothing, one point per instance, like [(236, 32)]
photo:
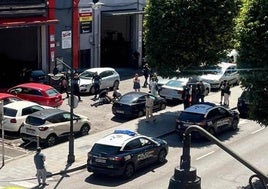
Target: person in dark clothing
[(96, 80), (146, 73), (222, 88), (76, 82), (186, 97), (39, 161), (64, 85), (104, 98)]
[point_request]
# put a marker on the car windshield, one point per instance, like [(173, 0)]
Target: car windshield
[(129, 98), (86, 75), (52, 92), (215, 70), (10, 112), (192, 117), (105, 149), (34, 121), (176, 83)]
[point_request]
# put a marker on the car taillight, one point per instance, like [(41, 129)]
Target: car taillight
[(115, 158), (13, 121), (43, 128)]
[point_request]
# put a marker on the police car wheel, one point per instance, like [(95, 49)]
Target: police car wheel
[(129, 171), (234, 124)]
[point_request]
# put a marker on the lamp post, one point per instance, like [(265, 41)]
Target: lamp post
[(96, 28)]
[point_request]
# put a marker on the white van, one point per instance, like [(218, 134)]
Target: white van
[(222, 71)]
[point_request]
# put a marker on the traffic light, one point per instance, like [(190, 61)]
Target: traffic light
[(95, 1)]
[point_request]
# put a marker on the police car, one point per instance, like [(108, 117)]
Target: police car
[(211, 117), (123, 152)]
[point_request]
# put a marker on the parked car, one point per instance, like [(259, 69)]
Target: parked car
[(109, 79), (124, 152), (51, 124), (243, 104), (37, 92), (222, 71), (15, 114), (132, 104), (7, 98), (173, 89), (38, 76), (213, 118)]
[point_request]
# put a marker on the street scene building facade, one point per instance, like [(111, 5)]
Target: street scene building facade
[(36, 33)]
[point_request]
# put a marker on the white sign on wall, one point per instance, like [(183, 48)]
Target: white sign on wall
[(66, 38)]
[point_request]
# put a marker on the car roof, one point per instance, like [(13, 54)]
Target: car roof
[(101, 69), (20, 104), (6, 95), (200, 108), (117, 138), (33, 85), (44, 114)]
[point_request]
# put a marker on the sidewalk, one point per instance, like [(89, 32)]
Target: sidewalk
[(23, 169)]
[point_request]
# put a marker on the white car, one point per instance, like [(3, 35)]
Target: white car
[(16, 112), (222, 71), (173, 89), (109, 79), (50, 125)]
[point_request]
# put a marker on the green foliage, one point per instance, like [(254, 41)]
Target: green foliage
[(184, 35), (252, 43)]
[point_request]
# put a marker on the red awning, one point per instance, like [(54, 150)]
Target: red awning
[(24, 22)]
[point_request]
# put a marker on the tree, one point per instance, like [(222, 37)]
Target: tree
[(252, 37), (183, 34)]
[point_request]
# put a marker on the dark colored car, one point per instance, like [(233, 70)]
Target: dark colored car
[(124, 152), (243, 104), (213, 118), (132, 104), (38, 76), (37, 92)]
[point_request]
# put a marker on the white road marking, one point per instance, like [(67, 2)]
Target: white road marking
[(204, 155), (25, 184)]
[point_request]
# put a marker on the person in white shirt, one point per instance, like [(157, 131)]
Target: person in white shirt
[(149, 108)]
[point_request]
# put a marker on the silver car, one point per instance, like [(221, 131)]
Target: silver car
[(109, 79)]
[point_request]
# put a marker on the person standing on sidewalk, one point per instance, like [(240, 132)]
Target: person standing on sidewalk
[(136, 83), (149, 108), (39, 161), (146, 72), (227, 93), (96, 80), (76, 82)]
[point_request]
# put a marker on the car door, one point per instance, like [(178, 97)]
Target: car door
[(105, 79), (60, 124)]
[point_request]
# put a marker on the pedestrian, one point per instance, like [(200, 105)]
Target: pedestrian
[(227, 93), (136, 83), (104, 98), (39, 161), (149, 103), (200, 91), (96, 80), (153, 86), (186, 97), (222, 88), (116, 93), (146, 72), (64, 85), (76, 82)]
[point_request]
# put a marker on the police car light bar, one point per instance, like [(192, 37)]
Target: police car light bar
[(126, 132)]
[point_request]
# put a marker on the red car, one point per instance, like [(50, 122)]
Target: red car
[(37, 92), (8, 98)]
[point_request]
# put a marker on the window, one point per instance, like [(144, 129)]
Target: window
[(134, 144)]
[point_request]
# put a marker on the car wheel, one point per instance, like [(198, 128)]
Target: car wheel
[(234, 125), (140, 113), (92, 90), (163, 106), (116, 84), (84, 130), (51, 140), (129, 171), (212, 131), (162, 156)]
